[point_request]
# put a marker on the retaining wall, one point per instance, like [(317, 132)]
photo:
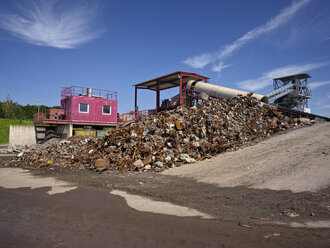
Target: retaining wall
[(22, 135)]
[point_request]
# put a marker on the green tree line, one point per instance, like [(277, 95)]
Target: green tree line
[(12, 110)]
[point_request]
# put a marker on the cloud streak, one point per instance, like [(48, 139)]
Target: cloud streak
[(266, 78), (315, 85), (218, 68), (271, 25), (200, 61), (58, 24)]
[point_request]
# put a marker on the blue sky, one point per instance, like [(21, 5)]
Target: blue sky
[(46, 44)]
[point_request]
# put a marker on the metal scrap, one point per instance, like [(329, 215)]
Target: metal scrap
[(168, 139), (290, 213)]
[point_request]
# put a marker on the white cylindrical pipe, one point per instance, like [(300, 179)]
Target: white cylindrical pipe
[(89, 92), (219, 91)]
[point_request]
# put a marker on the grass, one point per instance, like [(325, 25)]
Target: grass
[(4, 128)]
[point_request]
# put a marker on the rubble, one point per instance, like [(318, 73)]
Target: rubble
[(168, 139), (26, 148), (306, 121), (101, 164), (13, 149), (290, 213)]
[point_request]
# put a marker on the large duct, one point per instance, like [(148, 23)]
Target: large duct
[(206, 90)]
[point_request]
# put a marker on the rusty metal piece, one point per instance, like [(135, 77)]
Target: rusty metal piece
[(168, 139), (290, 213), (177, 125)]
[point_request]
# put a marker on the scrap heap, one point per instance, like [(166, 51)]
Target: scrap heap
[(182, 135)]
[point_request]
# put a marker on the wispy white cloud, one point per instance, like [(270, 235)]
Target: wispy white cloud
[(200, 61), (52, 23), (315, 85), (219, 67), (266, 78), (271, 25)]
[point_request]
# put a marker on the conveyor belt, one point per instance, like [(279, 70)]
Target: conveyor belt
[(297, 113)]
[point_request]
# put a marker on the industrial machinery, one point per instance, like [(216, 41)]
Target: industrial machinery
[(211, 90), (291, 92)]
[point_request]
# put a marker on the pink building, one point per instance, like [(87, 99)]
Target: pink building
[(82, 106)]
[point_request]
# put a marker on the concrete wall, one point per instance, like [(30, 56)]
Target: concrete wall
[(68, 131), (29, 135), (22, 135), (64, 131)]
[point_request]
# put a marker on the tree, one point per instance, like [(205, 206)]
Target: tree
[(13, 110)]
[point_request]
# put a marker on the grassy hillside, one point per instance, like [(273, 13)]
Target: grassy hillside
[(4, 128)]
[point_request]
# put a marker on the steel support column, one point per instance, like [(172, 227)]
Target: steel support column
[(157, 97), (180, 88), (135, 106)]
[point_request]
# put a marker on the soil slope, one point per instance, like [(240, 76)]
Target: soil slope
[(297, 161)]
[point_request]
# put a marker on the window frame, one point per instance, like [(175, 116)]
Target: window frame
[(110, 107), (82, 112)]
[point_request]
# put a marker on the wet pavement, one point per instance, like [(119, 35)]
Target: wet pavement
[(62, 215), (87, 217)]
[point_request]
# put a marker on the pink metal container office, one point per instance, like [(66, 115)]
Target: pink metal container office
[(82, 106)]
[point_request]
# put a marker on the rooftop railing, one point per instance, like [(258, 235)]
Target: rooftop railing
[(83, 91)]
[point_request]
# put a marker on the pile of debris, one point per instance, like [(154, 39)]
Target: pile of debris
[(168, 139), (25, 148), (12, 149)]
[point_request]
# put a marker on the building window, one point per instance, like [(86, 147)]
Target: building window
[(106, 109), (83, 108)]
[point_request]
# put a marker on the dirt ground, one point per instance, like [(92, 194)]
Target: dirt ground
[(297, 161), (246, 192)]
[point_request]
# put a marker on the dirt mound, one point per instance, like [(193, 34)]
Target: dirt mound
[(183, 135)]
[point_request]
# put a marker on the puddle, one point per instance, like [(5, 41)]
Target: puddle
[(144, 204), (13, 178)]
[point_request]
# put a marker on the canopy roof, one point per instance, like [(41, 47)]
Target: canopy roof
[(170, 80), (299, 76)]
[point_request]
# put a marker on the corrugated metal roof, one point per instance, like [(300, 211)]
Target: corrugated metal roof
[(168, 81)]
